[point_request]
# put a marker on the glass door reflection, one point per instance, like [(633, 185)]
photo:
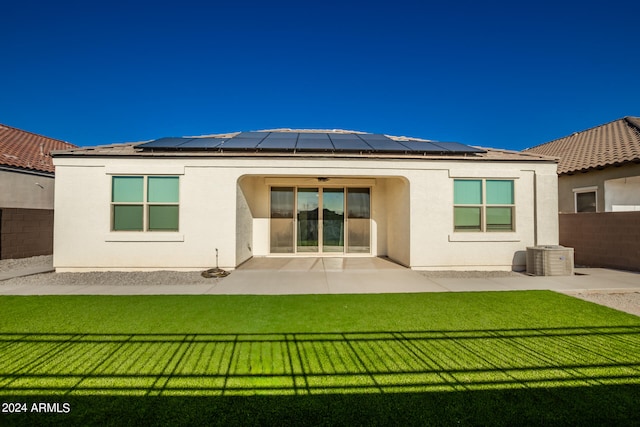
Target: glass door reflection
[(320, 220), (307, 232), (281, 229), (333, 220), (359, 220)]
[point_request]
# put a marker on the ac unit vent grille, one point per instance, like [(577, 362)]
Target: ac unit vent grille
[(550, 261)]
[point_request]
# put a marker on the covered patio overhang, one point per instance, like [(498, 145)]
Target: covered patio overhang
[(322, 216)]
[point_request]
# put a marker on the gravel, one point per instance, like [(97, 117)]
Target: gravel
[(625, 301), (107, 278), (114, 278)]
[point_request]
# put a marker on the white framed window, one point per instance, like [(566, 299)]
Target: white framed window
[(483, 205), (585, 199), (144, 203)]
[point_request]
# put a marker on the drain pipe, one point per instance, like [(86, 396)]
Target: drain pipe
[(535, 208)]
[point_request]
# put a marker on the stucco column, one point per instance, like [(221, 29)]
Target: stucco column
[(546, 209)]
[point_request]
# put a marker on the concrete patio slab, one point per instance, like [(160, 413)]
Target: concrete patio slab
[(334, 275), (380, 281), (470, 285), (264, 282)]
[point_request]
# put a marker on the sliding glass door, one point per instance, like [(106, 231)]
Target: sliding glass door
[(282, 207), (307, 220), (333, 220), (359, 220), (327, 220)]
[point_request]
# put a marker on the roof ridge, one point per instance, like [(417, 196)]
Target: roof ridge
[(2, 125), (294, 130), (330, 131), (578, 132), (633, 121)]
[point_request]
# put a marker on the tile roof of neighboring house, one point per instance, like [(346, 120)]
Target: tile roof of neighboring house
[(613, 143), (29, 151), (132, 149)]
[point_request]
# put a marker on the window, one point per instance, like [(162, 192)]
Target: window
[(585, 199), (144, 203), (483, 205)]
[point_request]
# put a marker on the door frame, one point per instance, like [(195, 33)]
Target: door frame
[(345, 228)]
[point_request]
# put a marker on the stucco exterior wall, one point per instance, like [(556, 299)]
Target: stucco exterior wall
[(593, 178), (25, 190), (26, 214), (224, 204), (398, 227)]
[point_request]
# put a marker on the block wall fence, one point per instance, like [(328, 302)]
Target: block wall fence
[(25, 232), (604, 239)]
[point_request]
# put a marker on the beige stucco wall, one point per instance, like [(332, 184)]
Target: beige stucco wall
[(25, 191), (593, 178), (224, 205)]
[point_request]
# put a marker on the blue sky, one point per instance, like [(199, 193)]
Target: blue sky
[(493, 73)]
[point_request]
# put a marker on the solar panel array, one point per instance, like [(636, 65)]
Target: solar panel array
[(308, 142)]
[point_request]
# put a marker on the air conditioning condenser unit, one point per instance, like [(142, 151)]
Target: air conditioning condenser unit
[(551, 260)]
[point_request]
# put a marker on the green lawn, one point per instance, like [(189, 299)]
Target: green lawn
[(441, 358)]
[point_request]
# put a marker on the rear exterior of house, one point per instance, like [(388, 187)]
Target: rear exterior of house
[(26, 193), (177, 203)]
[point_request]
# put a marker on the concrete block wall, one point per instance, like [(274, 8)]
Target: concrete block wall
[(605, 239), (25, 232)]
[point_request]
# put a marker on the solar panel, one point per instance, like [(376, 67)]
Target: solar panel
[(314, 142), (383, 143), (343, 136), (423, 147), (237, 143), (279, 141), (283, 135), (311, 141), (202, 143), (251, 135), (244, 141), (313, 135), (348, 142)]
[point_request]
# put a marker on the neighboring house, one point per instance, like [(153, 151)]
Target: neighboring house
[(26, 192), (599, 168), (599, 193), (176, 203)]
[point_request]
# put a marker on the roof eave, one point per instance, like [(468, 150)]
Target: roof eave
[(303, 155), (38, 172), (600, 167)]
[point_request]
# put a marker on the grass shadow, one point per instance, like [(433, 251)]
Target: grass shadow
[(596, 405), (577, 375)]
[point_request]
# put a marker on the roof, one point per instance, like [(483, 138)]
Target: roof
[(29, 151), (198, 146), (610, 144), (306, 141)]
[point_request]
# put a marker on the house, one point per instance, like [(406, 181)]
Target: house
[(189, 203), (599, 193), (26, 192), (599, 168)]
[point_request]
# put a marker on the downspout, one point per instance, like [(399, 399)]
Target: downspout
[(535, 208)]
